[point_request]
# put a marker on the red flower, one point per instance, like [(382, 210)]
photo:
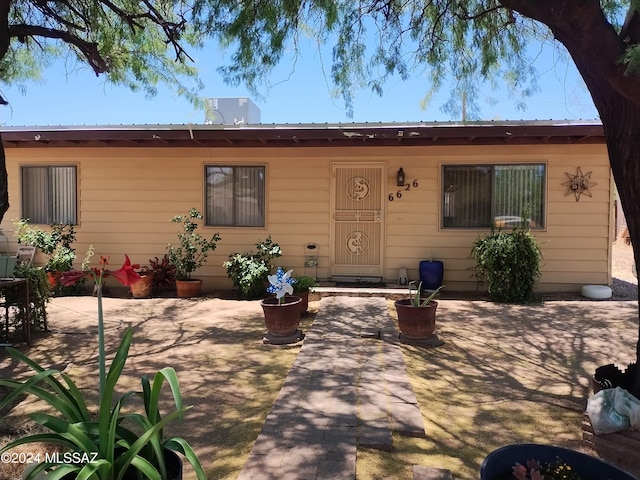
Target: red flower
[(126, 274)]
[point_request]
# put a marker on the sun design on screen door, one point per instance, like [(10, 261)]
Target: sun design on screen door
[(579, 184)]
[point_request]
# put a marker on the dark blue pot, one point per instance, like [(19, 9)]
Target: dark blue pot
[(431, 274), (498, 464)]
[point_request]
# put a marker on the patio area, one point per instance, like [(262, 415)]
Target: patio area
[(505, 373)]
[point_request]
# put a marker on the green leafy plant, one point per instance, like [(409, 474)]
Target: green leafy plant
[(417, 300), (115, 443), (250, 271), (56, 243), (509, 262), (39, 293), (303, 284), (192, 249)]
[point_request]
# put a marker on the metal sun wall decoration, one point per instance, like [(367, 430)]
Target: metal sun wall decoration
[(579, 184)]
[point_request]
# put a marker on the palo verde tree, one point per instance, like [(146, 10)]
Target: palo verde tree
[(466, 41), (136, 43)]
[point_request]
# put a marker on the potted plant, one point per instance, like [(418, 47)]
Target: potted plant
[(417, 315), (143, 288), (301, 288), (164, 273), (531, 461), (282, 311), (56, 244), (157, 275), (190, 253), (114, 445), (249, 271)]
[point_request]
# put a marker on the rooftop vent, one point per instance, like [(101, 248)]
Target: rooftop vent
[(230, 111)]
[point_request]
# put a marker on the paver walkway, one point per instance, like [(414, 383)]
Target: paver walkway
[(347, 387)]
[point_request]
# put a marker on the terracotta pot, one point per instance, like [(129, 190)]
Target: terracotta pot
[(416, 323), (143, 287), (282, 320), (304, 304), (188, 288)]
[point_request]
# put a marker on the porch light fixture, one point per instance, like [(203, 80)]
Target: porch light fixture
[(400, 178)]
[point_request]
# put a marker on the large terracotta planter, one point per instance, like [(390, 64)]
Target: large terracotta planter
[(143, 287), (304, 304), (416, 323), (188, 288), (499, 463), (282, 320)]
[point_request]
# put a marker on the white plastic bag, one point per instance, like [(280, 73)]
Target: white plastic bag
[(613, 410)]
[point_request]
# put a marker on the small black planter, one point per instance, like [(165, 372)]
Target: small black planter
[(498, 465), (610, 376), (174, 465)]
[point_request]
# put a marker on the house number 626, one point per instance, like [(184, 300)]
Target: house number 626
[(407, 187)]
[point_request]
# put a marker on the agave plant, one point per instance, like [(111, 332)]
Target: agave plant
[(108, 445), (416, 299), (108, 442)]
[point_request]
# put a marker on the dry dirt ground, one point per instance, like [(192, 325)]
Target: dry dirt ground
[(505, 373)]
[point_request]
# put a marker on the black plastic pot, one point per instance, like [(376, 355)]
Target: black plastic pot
[(610, 376), (498, 465)]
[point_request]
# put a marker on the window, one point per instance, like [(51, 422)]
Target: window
[(477, 196), (235, 196), (49, 194)]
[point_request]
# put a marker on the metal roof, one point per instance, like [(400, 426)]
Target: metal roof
[(312, 135)]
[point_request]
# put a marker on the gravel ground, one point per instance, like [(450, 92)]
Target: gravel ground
[(232, 378), (625, 283)]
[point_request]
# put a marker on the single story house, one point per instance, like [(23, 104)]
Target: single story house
[(355, 201)]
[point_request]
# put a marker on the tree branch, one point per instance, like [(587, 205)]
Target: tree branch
[(590, 39), (88, 49)]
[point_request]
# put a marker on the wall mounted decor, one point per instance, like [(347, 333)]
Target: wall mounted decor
[(579, 184)]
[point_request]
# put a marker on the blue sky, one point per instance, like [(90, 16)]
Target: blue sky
[(300, 95)]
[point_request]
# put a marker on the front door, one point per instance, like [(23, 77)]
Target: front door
[(357, 220)]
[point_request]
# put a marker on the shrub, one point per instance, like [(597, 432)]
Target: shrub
[(249, 271), (192, 249), (39, 294), (56, 244), (510, 263)]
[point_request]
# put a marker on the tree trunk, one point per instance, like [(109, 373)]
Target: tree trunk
[(595, 48), (622, 132), (619, 118), (4, 182)]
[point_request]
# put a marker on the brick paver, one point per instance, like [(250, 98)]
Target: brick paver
[(348, 386)]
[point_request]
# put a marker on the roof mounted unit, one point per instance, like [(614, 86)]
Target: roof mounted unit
[(230, 111)]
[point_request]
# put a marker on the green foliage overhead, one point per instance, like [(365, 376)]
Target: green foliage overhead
[(375, 40), (136, 44)]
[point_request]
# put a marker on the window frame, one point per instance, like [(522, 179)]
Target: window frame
[(49, 168), (234, 167), (492, 166)]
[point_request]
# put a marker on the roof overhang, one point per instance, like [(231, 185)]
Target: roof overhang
[(311, 135)]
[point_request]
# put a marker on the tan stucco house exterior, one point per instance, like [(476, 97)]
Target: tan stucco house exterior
[(334, 187)]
